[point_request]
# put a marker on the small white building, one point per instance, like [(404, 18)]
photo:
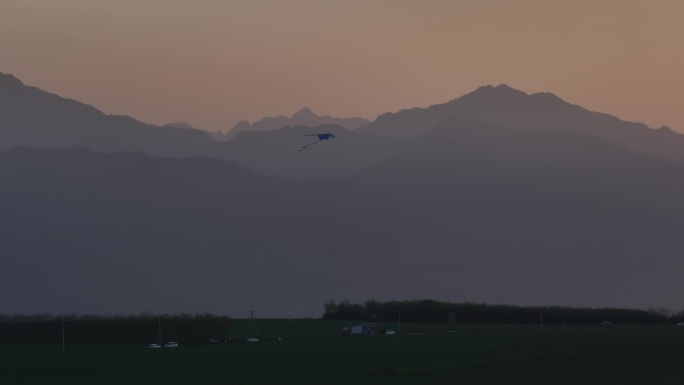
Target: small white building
[(366, 329)]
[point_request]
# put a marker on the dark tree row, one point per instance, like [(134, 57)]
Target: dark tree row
[(43, 317), (430, 311), (115, 330)]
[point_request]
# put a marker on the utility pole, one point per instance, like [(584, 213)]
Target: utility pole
[(63, 340), (541, 323), (159, 328), (251, 322), (399, 323)]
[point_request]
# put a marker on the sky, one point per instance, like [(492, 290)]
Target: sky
[(215, 62)]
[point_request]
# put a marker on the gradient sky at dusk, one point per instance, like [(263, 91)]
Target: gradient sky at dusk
[(214, 62)]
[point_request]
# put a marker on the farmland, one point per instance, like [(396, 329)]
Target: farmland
[(314, 352)]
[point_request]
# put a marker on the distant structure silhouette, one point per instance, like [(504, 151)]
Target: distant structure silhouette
[(320, 137)]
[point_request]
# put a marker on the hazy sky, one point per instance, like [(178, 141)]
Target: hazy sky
[(214, 62)]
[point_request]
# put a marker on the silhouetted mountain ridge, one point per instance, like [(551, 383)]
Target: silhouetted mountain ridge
[(303, 117), (184, 125), (509, 107), (36, 118)]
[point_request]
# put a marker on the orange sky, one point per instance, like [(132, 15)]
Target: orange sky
[(214, 62)]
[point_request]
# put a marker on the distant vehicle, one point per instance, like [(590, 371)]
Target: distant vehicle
[(154, 346), (606, 323), (680, 324), (252, 339), (213, 341), (389, 332), (171, 345)]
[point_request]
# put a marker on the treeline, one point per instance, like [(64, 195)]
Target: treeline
[(113, 330), (430, 311), (46, 317)]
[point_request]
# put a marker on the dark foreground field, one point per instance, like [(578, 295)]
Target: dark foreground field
[(313, 352)]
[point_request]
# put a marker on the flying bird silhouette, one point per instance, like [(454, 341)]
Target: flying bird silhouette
[(320, 137)]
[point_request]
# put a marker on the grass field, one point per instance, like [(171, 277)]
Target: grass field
[(313, 352)]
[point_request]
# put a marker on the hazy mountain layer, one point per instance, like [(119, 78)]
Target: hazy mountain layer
[(303, 117), (282, 152), (466, 211), (195, 234)]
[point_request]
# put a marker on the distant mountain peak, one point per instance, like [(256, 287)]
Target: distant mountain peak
[(501, 90), (506, 87), (304, 113)]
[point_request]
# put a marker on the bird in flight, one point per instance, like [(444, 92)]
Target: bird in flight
[(321, 137)]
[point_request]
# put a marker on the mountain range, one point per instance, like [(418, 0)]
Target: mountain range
[(496, 196), (506, 106), (32, 117), (303, 117)]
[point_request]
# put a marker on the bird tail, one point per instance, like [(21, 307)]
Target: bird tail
[(307, 145)]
